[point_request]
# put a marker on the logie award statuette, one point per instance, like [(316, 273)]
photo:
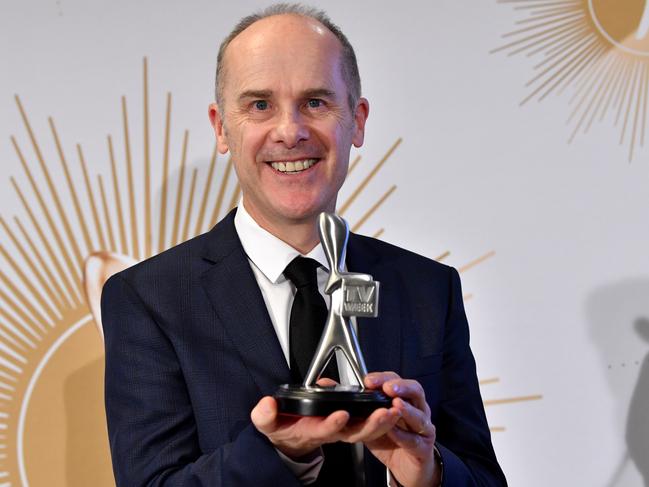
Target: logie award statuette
[(352, 294)]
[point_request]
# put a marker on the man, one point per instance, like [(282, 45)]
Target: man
[(197, 338)]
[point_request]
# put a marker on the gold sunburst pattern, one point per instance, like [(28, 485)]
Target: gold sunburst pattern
[(52, 421), (599, 50)]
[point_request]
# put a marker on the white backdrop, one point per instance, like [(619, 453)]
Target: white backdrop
[(560, 310)]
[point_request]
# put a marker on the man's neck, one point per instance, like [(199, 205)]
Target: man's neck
[(302, 235)]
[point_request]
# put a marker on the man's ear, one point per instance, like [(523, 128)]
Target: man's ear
[(217, 123), (360, 117)]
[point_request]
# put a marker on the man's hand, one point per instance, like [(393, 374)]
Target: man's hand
[(296, 437), (408, 449)]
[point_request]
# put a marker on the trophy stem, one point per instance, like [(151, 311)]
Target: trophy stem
[(338, 335)]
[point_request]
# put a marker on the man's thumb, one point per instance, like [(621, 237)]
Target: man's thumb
[(264, 415)]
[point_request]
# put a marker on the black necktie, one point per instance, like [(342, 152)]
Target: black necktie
[(308, 317)]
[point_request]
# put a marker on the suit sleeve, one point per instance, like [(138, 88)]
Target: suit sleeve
[(464, 440), (152, 432)]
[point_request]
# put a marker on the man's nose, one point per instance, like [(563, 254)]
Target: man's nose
[(290, 128)]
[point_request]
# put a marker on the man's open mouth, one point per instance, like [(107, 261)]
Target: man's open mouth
[(293, 167)]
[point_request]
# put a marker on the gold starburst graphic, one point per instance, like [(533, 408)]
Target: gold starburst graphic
[(76, 234), (597, 48)]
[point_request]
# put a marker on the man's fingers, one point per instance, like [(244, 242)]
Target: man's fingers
[(374, 380), (410, 441), (296, 436), (264, 415), (328, 428), (394, 386), (407, 389), (415, 420), (377, 424), (326, 382)]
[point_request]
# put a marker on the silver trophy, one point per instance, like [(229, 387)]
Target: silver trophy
[(352, 294)]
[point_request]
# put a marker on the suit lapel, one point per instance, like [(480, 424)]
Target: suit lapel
[(379, 337), (236, 298)]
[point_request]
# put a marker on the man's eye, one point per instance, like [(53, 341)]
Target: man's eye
[(261, 105), (315, 103)]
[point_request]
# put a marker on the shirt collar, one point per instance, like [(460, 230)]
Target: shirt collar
[(267, 252)]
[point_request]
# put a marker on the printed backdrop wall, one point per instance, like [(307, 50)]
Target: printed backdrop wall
[(508, 139)]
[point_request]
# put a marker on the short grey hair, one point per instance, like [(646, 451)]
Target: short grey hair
[(349, 66)]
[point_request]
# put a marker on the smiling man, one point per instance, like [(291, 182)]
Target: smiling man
[(199, 337), (286, 114)]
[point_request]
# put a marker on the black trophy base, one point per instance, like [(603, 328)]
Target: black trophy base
[(298, 400)]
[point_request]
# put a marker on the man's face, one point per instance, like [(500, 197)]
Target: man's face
[(286, 118)]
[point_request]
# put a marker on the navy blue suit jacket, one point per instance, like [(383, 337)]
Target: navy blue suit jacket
[(190, 350)]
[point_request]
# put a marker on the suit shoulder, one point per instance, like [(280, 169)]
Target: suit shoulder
[(405, 259), (170, 264)]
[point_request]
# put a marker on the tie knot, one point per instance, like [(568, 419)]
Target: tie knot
[(302, 271)]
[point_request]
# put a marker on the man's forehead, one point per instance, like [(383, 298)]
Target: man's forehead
[(283, 46), (286, 33)]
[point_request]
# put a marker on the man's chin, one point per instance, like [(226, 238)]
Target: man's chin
[(300, 215), (288, 209), (301, 212)]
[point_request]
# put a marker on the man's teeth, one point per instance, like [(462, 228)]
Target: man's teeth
[(293, 166)]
